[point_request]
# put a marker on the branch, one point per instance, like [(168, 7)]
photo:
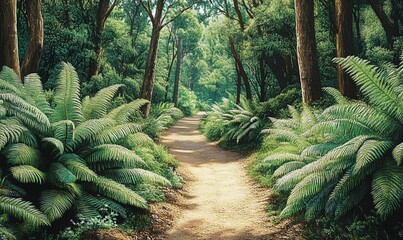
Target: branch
[(110, 9), (178, 14), (148, 10)]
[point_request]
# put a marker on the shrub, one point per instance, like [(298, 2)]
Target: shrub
[(70, 157), (354, 150), (188, 102)]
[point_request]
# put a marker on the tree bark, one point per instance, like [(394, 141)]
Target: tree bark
[(8, 36), (102, 14), (306, 51), (238, 89), (344, 44), (35, 39), (241, 69), (177, 71), (149, 74)]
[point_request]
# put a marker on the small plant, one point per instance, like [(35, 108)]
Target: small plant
[(106, 219)]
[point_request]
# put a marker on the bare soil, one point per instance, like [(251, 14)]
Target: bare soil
[(219, 200)]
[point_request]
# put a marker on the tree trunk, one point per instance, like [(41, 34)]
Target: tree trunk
[(344, 45), (306, 50), (238, 88), (280, 67), (102, 14), (241, 70), (177, 71), (35, 39), (387, 25), (8, 36), (168, 77), (148, 83)]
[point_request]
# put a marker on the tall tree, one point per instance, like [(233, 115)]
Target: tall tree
[(306, 51), (344, 44), (391, 28), (179, 58), (158, 14), (35, 37), (8, 35), (104, 10), (188, 32)]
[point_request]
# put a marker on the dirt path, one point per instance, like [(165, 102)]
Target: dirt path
[(219, 201)]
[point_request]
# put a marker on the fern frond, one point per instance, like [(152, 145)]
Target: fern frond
[(287, 168), (33, 83), (135, 175), (67, 97), (366, 115), (121, 114), (89, 129), (56, 146), (371, 151), (139, 139), (112, 156), (398, 154), (78, 167), (115, 134), (317, 203), (117, 191), (23, 210), (21, 154), (10, 131), (387, 189), (372, 82), (350, 201), (54, 203), (27, 113), (59, 175), (64, 132), (337, 96), (90, 206), (8, 189), (28, 174), (318, 150), (97, 106)]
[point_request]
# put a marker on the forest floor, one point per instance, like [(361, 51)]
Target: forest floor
[(219, 200)]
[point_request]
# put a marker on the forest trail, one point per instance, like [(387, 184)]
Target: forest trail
[(220, 201)]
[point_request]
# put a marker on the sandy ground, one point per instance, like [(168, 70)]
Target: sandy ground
[(219, 200)]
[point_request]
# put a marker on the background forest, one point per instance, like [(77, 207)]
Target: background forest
[(90, 84)]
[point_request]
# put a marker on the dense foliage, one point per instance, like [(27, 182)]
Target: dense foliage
[(329, 154), (71, 155), (329, 161)]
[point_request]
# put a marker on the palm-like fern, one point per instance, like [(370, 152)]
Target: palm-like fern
[(360, 152), (71, 153)]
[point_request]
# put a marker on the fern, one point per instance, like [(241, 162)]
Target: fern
[(23, 210), (122, 113), (134, 176), (115, 134), (67, 97), (372, 83), (97, 106), (21, 154), (117, 191), (28, 174), (54, 203), (34, 84), (112, 156), (387, 189)]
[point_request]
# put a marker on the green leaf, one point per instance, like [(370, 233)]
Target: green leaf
[(28, 174), (23, 210), (67, 97)]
